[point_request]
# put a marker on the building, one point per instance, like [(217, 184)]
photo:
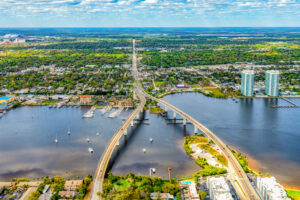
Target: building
[(218, 188), (85, 99), (247, 83), (164, 196), (272, 83), (66, 194), (73, 184), (5, 100), (46, 195), (19, 40), (270, 189)]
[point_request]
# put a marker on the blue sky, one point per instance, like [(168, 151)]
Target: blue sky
[(149, 13)]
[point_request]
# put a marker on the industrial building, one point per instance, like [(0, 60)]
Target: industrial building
[(272, 83), (218, 188), (247, 83), (270, 189)]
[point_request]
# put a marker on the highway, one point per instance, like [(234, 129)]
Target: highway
[(105, 158), (247, 189)]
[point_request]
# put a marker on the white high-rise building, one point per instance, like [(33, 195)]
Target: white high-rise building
[(218, 188), (270, 189), (272, 83), (247, 83)]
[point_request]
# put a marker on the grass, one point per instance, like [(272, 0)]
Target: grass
[(293, 194), (157, 110), (50, 101), (192, 140), (215, 92), (160, 83), (215, 153)]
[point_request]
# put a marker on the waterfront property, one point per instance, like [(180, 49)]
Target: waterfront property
[(272, 83), (85, 99), (218, 188), (270, 189), (247, 83)]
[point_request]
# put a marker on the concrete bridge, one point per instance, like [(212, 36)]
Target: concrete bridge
[(240, 179)]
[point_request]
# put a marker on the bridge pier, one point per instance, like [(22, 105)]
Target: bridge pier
[(125, 132), (166, 108), (184, 122), (174, 115), (131, 123), (195, 130)]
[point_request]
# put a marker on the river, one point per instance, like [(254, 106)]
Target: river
[(269, 136)]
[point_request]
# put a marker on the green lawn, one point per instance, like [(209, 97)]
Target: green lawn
[(294, 194)]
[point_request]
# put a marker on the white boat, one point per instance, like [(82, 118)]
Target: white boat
[(91, 150), (69, 132), (151, 140), (116, 113), (105, 110), (97, 133), (88, 140), (56, 140), (144, 150)]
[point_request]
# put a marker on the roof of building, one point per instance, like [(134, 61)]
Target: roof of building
[(83, 96), (65, 193), (5, 97)]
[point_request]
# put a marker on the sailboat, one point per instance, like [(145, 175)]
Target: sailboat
[(69, 132), (91, 150), (56, 140)]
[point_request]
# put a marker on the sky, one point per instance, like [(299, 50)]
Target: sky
[(149, 13)]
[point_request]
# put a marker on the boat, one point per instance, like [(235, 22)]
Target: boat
[(90, 113), (151, 140), (88, 140), (144, 150), (105, 110), (98, 133), (69, 132), (91, 150), (116, 113), (56, 140)]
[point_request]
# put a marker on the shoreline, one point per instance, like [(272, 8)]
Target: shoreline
[(254, 166)]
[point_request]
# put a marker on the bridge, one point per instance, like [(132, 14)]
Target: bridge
[(105, 158), (241, 181)]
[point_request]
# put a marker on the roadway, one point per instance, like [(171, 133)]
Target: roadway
[(241, 177), (247, 190), (105, 158)]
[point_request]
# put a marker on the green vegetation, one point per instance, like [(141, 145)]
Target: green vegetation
[(34, 195), (293, 194), (157, 110), (137, 187), (242, 160), (18, 180), (214, 153), (192, 140), (208, 170)]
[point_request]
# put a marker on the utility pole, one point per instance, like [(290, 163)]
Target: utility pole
[(169, 172)]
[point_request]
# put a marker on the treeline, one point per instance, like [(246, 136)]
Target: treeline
[(18, 60), (211, 57)]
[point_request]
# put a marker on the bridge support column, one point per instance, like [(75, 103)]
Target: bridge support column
[(125, 132), (118, 143), (174, 115), (166, 108), (195, 130), (184, 121), (131, 123)]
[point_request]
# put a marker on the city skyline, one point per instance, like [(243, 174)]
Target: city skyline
[(149, 13)]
